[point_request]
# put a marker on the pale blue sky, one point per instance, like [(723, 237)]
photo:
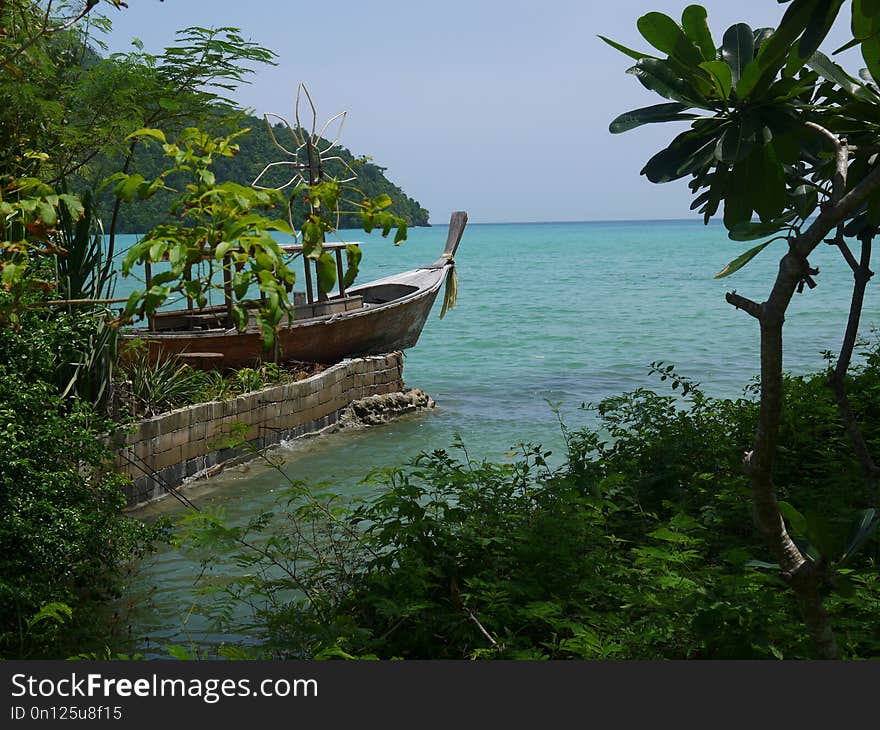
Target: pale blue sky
[(497, 107)]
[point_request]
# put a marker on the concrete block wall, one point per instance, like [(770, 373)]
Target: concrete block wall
[(168, 449)]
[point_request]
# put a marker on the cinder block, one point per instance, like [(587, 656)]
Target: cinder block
[(199, 414), (165, 458), (254, 432), (181, 437), (193, 450)]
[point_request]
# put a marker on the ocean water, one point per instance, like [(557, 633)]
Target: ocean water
[(561, 313)]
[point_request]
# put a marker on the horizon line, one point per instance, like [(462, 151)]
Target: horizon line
[(594, 220)]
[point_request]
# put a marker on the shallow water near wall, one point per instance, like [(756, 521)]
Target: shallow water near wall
[(568, 313)]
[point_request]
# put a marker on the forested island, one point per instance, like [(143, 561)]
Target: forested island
[(256, 150)]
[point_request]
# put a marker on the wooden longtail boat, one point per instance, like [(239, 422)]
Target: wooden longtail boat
[(374, 318)]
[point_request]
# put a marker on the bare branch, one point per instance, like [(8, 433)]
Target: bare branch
[(741, 302), (480, 626)]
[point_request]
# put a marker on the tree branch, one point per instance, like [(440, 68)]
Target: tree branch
[(46, 30), (741, 302), (837, 377)]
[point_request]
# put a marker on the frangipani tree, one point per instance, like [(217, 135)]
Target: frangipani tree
[(784, 143)]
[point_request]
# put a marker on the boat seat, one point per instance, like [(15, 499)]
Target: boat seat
[(202, 360)]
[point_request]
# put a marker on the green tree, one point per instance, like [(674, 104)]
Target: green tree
[(779, 131), (66, 114)]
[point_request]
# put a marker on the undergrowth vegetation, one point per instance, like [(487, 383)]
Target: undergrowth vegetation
[(65, 549), (146, 387), (641, 546)]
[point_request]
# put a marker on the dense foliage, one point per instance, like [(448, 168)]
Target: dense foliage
[(776, 130), (62, 537), (640, 546)]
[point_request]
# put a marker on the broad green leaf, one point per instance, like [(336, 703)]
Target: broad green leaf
[(865, 526), (240, 317), (11, 273), (865, 22), (648, 115), (148, 132), (382, 201), (157, 250), (767, 183), (178, 652), (754, 231), (47, 213), (736, 142), (666, 35), (667, 535), (776, 49), (635, 55), (131, 306), (693, 20), (222, 249), (741, 261), (400, 236), (265, 259), (869, 8), (871, 54), (797, 521), (281, 226), (738, 198), (73, 204), (268, 332), (353, 256), (761, 36), (326, 268), (738, 49), (826, 68), (822, 536), (820, 23), (686, 153), (241, 282), (721, 77), (661, 77), (163, 277), (126, 188)]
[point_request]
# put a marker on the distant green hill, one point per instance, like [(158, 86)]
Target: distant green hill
[(256, 150)]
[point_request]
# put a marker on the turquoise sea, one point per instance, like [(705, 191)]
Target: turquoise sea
[(561, 312)]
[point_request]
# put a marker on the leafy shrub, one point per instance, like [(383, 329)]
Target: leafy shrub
[(641, 546), (150, 387), (62, 537)]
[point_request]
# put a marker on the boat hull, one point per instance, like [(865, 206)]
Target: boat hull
[(376, 328)]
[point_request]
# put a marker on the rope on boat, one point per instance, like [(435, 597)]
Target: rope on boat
[(450, 296)]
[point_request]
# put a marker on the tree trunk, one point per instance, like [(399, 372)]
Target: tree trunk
[(802, 574)]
